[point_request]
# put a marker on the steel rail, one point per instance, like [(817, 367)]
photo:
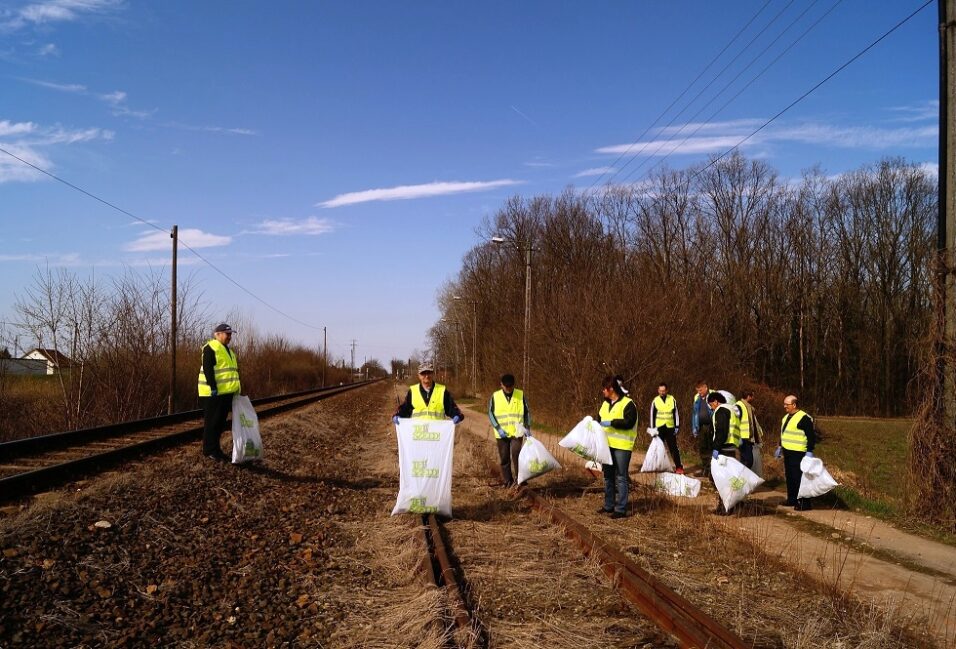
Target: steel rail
[(690, 626), (24, 483)]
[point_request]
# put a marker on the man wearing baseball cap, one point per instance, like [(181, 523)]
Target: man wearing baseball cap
[(218, 382), (428, 400)]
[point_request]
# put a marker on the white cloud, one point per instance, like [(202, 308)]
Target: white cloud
[(115, 99), (212, 129), (8, 128), (927, 110), (538, 164), (62, 87), (595, 171), (931, 169), (285, 227), (53, 11), (12, 170), (159, 240), (407, 192), (50, 49)]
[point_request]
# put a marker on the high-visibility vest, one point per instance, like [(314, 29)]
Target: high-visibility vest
[(434, 409), (226, 371), (733, 429), (744, 419), (791, 437), (509, 413), (620, 438), (665, 407)]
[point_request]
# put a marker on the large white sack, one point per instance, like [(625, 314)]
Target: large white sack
[(657, 458), (733, 480), (677, 485), (758, 460), (246, 441), (588, 440), (816, 480), (534, 460), (425, 455), (731, 399)]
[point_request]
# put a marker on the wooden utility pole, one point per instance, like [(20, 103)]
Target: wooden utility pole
[(174, 235), (947, 207)]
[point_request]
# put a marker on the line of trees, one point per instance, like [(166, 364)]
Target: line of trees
[(725, 272)]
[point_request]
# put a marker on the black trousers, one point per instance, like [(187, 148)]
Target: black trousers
[(508, 450), (705, 444), (666, 433), (747, 453), (791, 468), (215, 411)]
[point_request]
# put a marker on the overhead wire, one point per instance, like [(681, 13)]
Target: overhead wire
[(156, 227)]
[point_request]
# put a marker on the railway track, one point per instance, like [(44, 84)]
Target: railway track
[(36, 463)]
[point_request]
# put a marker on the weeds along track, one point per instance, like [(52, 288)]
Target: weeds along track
[(37, 463)]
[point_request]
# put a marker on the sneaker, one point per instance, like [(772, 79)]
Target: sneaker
[(218, 457), (679, 471), (618, 515), (604, 511)]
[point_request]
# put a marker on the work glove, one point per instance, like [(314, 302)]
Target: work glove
[(715, 454), (527, 432), (694, 433), (606, 423), (395, 420), (778, 453), (809, 454), (676, 429), (215, 392), (456, 419)]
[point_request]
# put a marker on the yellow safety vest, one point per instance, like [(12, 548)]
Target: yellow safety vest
[(434, 409), (226, 371), (620, 438), (791, 437), (744, 419), (733, 430), (509, 413), (665, 410)]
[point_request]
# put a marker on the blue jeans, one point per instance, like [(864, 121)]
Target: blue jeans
[(615, 478)]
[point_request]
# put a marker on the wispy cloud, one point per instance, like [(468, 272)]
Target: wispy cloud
[(538, 163), (212, 129), (55, 11), (596, 171), (50, 49), (159, 240), (407, 192), (311, 226), (28, 141), (927, 110), (116, 99)]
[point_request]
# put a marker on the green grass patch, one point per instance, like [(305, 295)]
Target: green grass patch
[(872, 453)]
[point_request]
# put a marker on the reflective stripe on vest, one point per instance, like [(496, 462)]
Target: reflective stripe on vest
[(226, 371), (744, 419), (665, 408), (620, 438), (733, 429), (509, 413), (791, 437), (434, 409)]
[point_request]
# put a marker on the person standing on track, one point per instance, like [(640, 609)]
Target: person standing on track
[(618, 416), (666, 419), (427, 399), (218, 383), (506, 409), (797, 439)]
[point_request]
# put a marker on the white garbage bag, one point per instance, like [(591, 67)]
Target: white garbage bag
[(588, 440), (758, 460), (677, 485), (534, 460), (733, 480), (657, 458), (816, 480), (246, 441), (731, 399), (425, 455)]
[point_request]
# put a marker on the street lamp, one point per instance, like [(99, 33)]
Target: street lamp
[(474, 342), (527, 249)]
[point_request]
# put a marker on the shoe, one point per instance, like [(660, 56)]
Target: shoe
[(789, 503), (604, 511), (618, 515), (218, 457), (802, 507), (679, 471)]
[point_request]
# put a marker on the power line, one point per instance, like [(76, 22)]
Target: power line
[(156, 227)]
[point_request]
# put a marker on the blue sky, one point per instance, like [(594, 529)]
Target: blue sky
[(335, 159)]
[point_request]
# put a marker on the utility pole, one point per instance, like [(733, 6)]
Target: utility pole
[(352, 367), (946, 228), (325, 353), (527, 316), (174, 235)]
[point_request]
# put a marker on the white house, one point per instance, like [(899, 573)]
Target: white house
[(55, 361)]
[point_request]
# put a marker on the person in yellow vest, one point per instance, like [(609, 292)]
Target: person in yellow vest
[(797, 439), (749, 429), (666, 419), (726, 420), (427, 399), (218, 383), (618, 416), (508, 408), (702, 426)]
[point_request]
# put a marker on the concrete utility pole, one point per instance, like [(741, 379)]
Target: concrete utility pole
[(174, 235), (325, 353), (947, 202), (352, 367)]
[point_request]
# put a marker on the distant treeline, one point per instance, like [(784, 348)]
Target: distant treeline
[(726, 272)]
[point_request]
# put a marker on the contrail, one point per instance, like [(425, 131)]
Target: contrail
[(533, 123)]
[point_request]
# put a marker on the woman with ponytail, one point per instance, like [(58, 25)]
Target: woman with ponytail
[(618, 416)]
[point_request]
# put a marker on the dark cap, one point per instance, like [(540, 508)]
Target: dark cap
[(224, 328)]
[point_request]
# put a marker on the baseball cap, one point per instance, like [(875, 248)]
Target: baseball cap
[(224, 328), (425, 366)]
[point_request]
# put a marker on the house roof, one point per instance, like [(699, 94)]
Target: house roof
[(52, 355)]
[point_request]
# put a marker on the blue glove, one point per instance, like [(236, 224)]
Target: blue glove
[(527, 432), (606, 423), (215, 392), (694, 432), (809, 453), (456, 419), (395, 420), (676, 429), (715, 455), (778, 453)]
